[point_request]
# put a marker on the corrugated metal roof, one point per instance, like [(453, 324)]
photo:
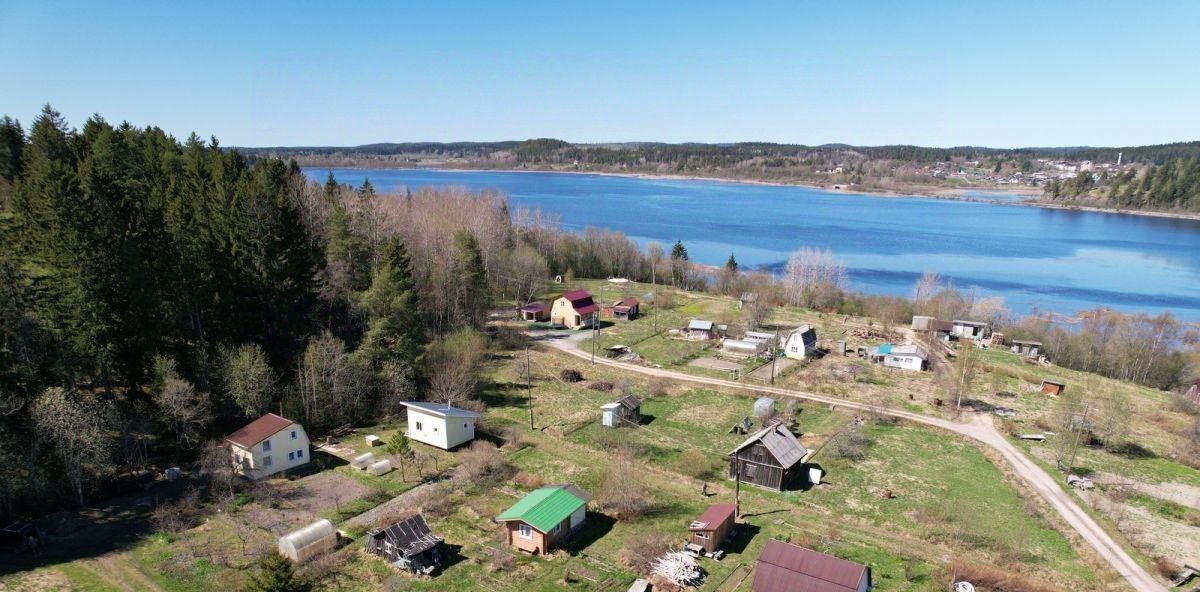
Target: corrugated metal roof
[(779, 442), (544, 508), (713, 517), (411, 536), (259, 430), (783, 567), (700, 325)]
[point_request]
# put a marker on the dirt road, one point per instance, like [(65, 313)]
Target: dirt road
[(979, 428)]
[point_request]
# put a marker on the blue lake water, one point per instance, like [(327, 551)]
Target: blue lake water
[(1037, 259)]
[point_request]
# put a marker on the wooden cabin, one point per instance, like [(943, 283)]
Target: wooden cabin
[(771, 458), (408, 544), (545, 517), (1053, 387), (711, 529)]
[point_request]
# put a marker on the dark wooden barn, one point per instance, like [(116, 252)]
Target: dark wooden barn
[(770, 458), (408, 544)]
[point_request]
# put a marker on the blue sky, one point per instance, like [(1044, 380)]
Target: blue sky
[(297, 73)]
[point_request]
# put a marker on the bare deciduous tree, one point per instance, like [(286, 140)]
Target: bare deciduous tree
[(75, 427), (188, 410)]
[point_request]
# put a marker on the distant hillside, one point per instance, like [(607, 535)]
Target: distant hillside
[(898, 168), (556, 151)]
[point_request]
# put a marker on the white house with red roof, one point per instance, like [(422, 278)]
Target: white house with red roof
[(268, 445), (575, 310)]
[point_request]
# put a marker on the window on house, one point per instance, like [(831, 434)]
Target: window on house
[(525, 531), (291, 456), (267, 446), (701, 535), (267, 461), (293, 434), (464, 426), (557, 527), (419, 428), (300, 453)]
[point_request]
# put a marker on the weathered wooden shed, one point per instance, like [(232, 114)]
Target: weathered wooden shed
[(712, 527), (772, 458), (408, 544), (625, 411), (1053, 387), (308, 542)]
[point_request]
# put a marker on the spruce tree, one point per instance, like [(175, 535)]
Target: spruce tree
[(473, 299), (277, 574), (395, 330)]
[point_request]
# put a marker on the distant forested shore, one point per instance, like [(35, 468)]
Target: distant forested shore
[(1160, 178)]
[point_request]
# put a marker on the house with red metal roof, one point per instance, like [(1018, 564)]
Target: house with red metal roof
[(268, 445), (575, 310), (783, 567)]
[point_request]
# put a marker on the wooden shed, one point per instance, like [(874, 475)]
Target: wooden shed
[(626, 309), (711, 529), (626, 411), (770, 458), (535, 312), (1053, 387), (408, 544)]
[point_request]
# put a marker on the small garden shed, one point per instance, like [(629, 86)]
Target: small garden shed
[(408, 544)]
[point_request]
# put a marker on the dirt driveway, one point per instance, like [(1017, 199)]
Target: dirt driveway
[(981, 429)]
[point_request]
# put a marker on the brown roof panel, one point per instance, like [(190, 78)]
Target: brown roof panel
[(259, 430), (713, 517), (783, 567)]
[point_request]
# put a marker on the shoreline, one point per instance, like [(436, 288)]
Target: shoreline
[(930, 192)]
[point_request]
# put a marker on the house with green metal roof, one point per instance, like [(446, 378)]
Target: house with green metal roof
[(545, 517)]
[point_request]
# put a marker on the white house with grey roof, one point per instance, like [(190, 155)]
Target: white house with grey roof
[(801, 343), (439, 424)]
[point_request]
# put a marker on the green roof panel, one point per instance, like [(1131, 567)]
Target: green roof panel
[(544, 508)]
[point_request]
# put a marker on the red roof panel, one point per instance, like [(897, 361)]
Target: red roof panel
[(783, 567), (259, 430)]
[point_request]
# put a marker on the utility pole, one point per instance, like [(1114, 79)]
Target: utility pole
[(1078, 430), (737, 496), (774, 354), (529, 386), (654, 283)]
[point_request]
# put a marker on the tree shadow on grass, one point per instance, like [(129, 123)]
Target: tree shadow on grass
[(1134, 450), (740, 538), (594, 529)]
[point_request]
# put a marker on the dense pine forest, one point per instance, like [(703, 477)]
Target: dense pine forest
[(157, 294), (1172, 186)]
